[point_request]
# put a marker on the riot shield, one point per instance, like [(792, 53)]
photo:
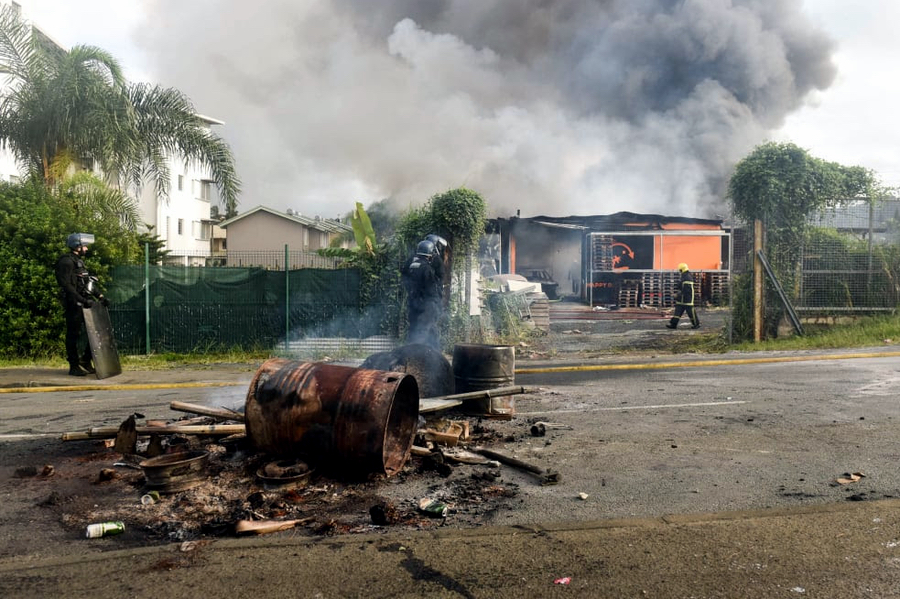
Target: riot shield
[(100, 337)]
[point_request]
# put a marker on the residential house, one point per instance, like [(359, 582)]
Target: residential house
[(260, 236)]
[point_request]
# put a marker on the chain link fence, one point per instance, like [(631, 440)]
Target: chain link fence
[(848, 260)]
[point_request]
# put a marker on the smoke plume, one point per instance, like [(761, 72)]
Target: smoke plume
[(548, 106)]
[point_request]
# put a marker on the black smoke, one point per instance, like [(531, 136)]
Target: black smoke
[(549, 106)]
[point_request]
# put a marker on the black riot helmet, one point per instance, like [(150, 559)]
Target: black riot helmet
[(425, 249), (77, 240), (439, 242)]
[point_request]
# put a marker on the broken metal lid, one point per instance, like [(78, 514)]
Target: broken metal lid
[(173, 472)]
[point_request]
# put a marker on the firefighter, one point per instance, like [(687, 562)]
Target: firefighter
[(684, 299), (74, 283)]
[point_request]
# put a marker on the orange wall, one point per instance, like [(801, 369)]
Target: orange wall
[(699, 253)]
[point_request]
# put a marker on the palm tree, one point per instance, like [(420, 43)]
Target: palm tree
[(60, 107)]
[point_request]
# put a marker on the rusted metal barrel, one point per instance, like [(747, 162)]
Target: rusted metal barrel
[(477, 367), (354, 420)]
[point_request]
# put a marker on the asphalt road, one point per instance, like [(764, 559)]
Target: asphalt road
[(700, 480)]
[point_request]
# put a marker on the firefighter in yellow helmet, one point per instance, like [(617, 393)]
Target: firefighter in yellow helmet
[(684, 299)]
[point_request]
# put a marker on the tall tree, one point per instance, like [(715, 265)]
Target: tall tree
[(59, 107), (782, 185)]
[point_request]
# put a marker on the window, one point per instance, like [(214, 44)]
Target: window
[(181, 226), (180, 182), (200, 188), (201, 230)]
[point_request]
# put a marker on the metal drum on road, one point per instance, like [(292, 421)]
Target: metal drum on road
[(478, 367), (352, 420)]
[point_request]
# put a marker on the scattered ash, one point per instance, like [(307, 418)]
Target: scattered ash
[(105, 486)]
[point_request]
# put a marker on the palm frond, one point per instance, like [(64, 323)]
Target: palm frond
[(167, 120), (16, 45), (67, 105), (91, 194)]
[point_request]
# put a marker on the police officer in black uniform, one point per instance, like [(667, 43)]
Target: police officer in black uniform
[(423, 282), (75, 283)]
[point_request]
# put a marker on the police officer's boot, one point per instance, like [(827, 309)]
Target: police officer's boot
[(87, 367), (673, 323), (85, 362), (76, 370)]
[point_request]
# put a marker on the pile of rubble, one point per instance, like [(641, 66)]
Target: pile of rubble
[(199, 477)]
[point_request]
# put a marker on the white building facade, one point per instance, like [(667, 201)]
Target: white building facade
[(184, 218)]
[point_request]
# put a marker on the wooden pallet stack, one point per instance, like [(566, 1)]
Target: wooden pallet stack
[(602, 253), (659, 289), (539, 307), (718, 288), (629, 294)]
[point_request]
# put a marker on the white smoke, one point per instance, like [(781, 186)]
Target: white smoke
[(549, 106)]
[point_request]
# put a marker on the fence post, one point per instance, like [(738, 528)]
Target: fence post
[(731, 283), (869, 263), (287, 300), (757, 281), (147, 295)]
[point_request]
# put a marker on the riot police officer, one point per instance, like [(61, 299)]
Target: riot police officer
[(76, 294), (423, 282)]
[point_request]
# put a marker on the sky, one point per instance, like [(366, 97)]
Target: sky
[(567, 107)]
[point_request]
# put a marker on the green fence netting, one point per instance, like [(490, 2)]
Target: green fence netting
[(199, 309)]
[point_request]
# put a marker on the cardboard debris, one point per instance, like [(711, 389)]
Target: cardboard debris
[(261, 527), (850, 478), (447, 432), (462, 456)]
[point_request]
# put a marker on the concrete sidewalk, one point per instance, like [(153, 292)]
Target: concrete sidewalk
[(42, 378), (839, 551), (30, 377)]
